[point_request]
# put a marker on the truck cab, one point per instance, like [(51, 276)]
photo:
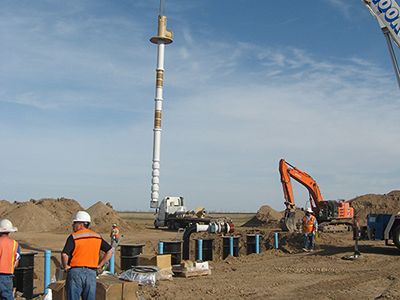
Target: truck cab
[(169, 207)]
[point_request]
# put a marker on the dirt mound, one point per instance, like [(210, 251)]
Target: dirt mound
[(55, 215), (4, 206), (62, 209), (27, 216), (103, 216), (375, 203), (265, 216)]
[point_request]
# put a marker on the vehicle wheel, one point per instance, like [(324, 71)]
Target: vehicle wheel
[(155, 224), (396, 236)]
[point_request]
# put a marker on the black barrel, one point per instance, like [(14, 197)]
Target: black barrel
[(23, 279), (252, 243), (129, 255), (175, 249), (207, 252), (226, 246)]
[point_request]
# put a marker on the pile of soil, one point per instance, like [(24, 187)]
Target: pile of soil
[(265, 216), (55, 215), (103, 216), (375, 203)]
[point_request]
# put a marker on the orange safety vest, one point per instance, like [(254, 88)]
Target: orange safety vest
[(308, 224), (87, 249), (8, 255)]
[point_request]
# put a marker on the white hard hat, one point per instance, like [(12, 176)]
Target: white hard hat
[(7, 226), (82, 216), (309, 209)]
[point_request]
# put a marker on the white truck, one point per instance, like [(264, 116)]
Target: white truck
[(172, 213)]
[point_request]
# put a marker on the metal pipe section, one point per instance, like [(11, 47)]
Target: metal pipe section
[(214, 227), (200, 249), (257, 243), (160, 248), (386, 33), (163, 37), (276, 240), (112, 263), (47, 257)]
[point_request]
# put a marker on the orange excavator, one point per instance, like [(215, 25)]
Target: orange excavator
[(332, 215)]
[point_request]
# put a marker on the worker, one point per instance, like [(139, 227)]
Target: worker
[(10, 253), (114, 235), (81, 258), (310, 228)]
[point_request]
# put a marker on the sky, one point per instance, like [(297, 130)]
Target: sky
[(246, 84)]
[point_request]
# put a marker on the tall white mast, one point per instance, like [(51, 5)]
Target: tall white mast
[(163, 38)]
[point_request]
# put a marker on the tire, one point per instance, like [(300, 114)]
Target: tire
[(396, 236), (155, 224)]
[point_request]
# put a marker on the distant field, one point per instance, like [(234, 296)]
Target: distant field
[(147, 218)]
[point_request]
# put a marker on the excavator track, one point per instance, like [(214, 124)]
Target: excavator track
[(334, 227)]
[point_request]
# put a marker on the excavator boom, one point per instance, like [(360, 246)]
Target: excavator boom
[(288, 171)]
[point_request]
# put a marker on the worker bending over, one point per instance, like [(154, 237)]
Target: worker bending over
[(10, 254), (310, 228), (81, 258)]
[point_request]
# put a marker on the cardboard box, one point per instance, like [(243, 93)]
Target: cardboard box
[(58, 290), (111, 288), (161, 261), (107, 288)]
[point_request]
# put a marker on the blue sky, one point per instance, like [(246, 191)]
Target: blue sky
[(246, 83)]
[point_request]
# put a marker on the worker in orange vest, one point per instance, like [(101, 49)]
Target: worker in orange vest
[(81, 258), (10, 254), (310, 228), (114, 235)]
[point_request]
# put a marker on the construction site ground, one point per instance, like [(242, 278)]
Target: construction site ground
[(286, 273)]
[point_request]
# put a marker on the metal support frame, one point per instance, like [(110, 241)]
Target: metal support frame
[(386, 33)]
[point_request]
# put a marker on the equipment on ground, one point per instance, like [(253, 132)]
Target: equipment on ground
[(332, 215), (172, 213)]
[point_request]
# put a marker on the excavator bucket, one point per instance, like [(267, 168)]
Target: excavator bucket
[(288, 222)]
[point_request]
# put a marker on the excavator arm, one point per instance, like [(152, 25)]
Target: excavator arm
[(288, 171)]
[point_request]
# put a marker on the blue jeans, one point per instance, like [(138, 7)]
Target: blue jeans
[(81, 282), (6, 287), (309, 241)]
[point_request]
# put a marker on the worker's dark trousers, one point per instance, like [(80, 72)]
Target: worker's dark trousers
[(309, 241)]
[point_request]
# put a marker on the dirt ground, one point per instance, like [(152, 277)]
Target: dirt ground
[(286, 273)]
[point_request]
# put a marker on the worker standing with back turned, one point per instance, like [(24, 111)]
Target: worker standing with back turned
[(310, 228), (10, 254), (81, 258)]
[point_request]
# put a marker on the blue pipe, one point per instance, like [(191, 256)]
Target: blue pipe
[(47, 256), (257, 243), (276, 239), (231, 245), (160, 247), (200, 249), (112, 263)]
